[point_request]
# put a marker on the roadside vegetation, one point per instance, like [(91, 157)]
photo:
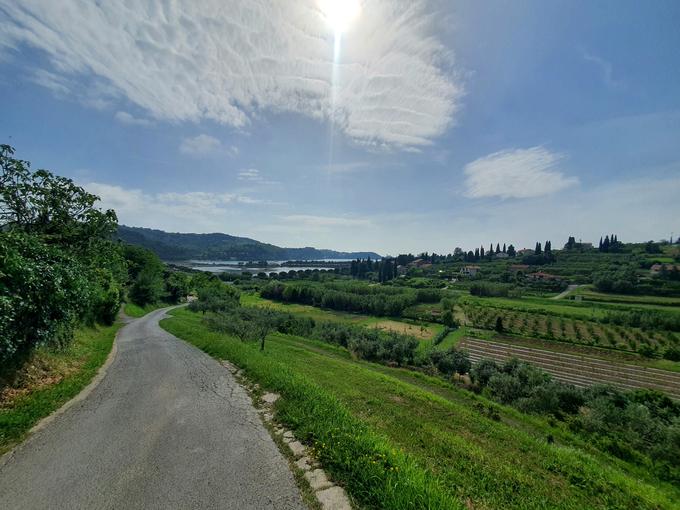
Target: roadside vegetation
[(457, 451), (51, 379), (63, 277)]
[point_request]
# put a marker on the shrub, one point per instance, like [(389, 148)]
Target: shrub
[(482, 371), (672, 353), (451, 361), (43, 293)]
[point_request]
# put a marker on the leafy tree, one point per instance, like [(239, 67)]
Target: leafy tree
[(451, 361), (58, 265), (652, 247), (482, 371), (148, 286), (43, 293), (52, 207), (215, 296), (448, 319), (178, 286)]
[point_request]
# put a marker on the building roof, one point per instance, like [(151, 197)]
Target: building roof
[(540, 275)]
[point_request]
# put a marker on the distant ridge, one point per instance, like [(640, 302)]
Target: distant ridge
[(177, 246)]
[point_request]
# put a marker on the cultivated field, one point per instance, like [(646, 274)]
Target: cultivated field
[(578, 370)]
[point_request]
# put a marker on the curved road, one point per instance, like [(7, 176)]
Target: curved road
[(167, 427)]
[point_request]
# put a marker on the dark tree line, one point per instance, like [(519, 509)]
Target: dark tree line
[(380, 301), (610, 244)]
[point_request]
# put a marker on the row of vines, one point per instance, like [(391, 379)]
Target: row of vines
[(563, 329)]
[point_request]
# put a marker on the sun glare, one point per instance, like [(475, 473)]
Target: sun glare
[(339, 14)]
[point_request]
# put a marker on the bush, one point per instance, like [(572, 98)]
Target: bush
[(43, 294), (482, 371), (672, 353), (484, 289), (215, 296), (451, 361)]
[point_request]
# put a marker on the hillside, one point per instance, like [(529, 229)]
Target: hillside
[(181, 246)]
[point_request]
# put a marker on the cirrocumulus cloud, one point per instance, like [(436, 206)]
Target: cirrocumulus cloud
[(231, 61)]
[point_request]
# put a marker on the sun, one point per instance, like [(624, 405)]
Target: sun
[(339, 14)]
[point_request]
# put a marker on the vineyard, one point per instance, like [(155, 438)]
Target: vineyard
[(565, 329), (576, 369)]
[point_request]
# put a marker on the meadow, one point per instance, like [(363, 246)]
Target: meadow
[(401, 439)]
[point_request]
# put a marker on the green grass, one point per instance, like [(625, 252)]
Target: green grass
[(398, 439), (75, 366), (452, 339), (428, 331), (643, 301), (136, 311)]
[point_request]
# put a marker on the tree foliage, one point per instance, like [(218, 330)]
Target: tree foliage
[(58, 264)]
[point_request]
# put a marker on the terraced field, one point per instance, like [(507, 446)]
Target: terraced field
[(576, 369), (564, 329)]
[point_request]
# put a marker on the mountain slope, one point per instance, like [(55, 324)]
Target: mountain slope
[(178, 246)]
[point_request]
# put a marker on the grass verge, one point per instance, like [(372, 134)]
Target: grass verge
[(374, 473), (395, 441), (49, 380), (136, 311)]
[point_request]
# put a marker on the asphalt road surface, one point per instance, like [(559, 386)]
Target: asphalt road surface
[(167, 427)]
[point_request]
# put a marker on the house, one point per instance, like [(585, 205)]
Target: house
[(469, 271), (516, 268), (658, 268), (525, 251), (420, 263), (500, 255), (541, 276)]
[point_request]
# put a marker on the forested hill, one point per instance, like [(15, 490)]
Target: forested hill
[(176, 246)]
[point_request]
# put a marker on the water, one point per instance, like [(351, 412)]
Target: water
[(239, 266)]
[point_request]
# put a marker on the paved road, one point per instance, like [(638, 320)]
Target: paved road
[(566, 292), (167, 427)]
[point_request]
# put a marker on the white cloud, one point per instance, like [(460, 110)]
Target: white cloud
[(325, 222), (249, 174), (200, 145), (636, 210), (188, 61), (516, 173), (254, 177), (349, 167), (128, 118), (195, 211), (58, 84), (606, 69)]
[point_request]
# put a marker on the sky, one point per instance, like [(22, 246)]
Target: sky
[(402, 126)]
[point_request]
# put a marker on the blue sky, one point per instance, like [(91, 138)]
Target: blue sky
[(442, 124)]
